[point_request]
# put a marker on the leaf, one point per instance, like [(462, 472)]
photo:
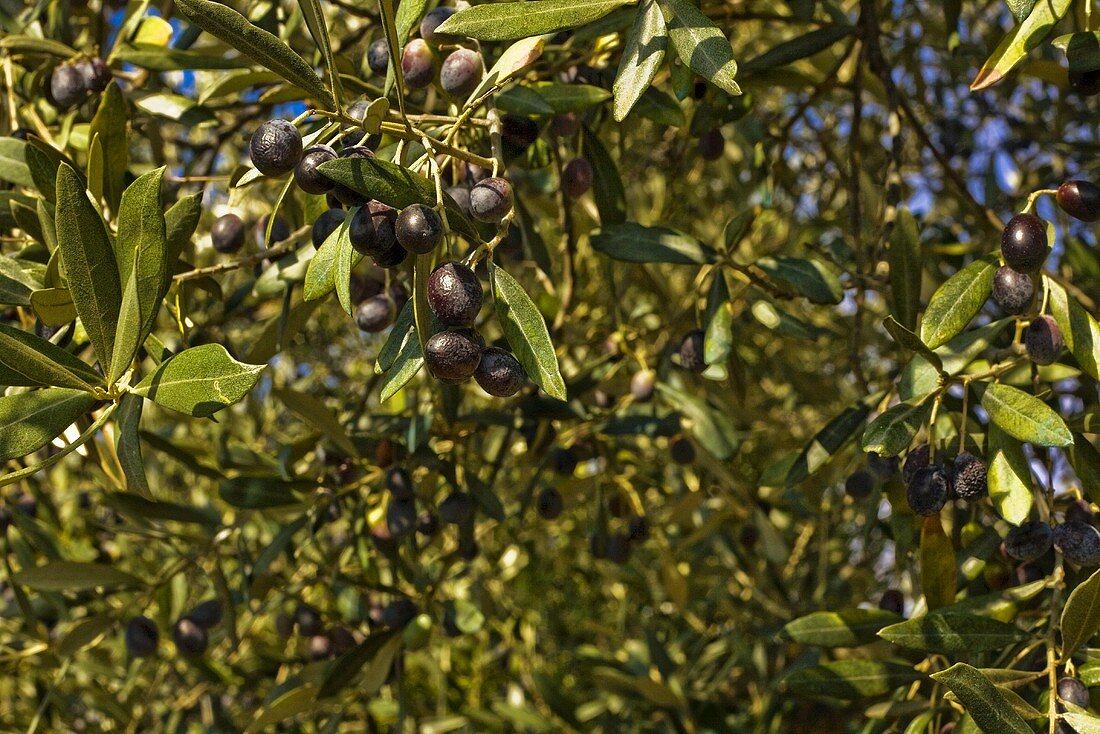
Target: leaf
[(34, 45), (1020, 8), (607, 184), (72, 576), (1009, 476), (920, 377), (1019, 42), (346, 259), (938, 578), (401, 356), (642, 56), (292, 703), (983, 701), (1085, 460), (110, 126), (317, 414), (1081, 615), (16, 285), (844, 628), (850, 679), (808, 277), (28, 360), (84, 633), (314, 17), (564, 98), (200, 381), (1082, 50), (180, 222), (254, 42), (89, 262), (260, 492), (30, 420), (798, 48), (160, 58), (632, 242), (376, 653), (54, 306), (128, 445), (904, 257), (13, 163), (701, 44), (506, 21), (526, 331), (893, 430), (1079, 329), (956, 302), (515, 59), (827, 442), (907, 339), (953, 633), (391, 184), (710, 426), (1024, 416), (321, 271)]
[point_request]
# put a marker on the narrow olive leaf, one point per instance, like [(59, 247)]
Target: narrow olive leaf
[(1082, 722), (16, 285), (807, 277), (920, 377), (953, 633), (255, 43), (259, 492), (200, 381), (718, 342), (798, 48), (110, 125), (1025, 416), (1080, 330), (907, 339), (84, 633), (401, 356), (394, 185), (347, 257), (1082, 50), (317, 414), (827, 442), (894, 429), (180, 222), (1020, 8), (128, 445), (1020, 41), (54, 306), (376, 653), (1081, 615), (422, 313), (526, 331), (89, 262), (956, 302), (1009, 476), (850, 679), (162, 58), (938, 577), (296, 701), (13, 163), (72, 576), (632, 242), (607, 184), (710, 425), (564, 98), (314, 17), (143, 242), (515, 59), (396, 340), (321, 271), (904, 258), (30, 420), (1085, 460), (642, 56), (982, 699), (506, 21), (34, 45), (28, 360), (700, 44), (844, 628)]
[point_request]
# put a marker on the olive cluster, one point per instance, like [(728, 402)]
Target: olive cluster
[(1076, 538), (189, 633), (71, 82), (458, 75), (930, 485)]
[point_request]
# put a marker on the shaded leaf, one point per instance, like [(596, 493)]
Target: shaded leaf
[(982, 700), (30, 420), (526, 331), (953, 633), (632, 242), (1081, 615), (72, 576), (200, 381), (850, 679), (844, 628)]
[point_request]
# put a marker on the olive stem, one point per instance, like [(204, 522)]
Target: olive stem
[(1031, 200), (278, 251)]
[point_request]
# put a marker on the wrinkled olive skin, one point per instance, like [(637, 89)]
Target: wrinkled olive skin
[(1029, 541), (1012, 290), (452, 356), (491, 199), (455, 294), (928, 491), (276, 147), (969, 477), (499, 373), (1079, 543)]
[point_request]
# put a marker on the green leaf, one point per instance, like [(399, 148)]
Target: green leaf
[(1082, 50), (346, 258), (642, 56), (259, 492), (84, 633), (564, 98), (1019, 42), (983, 700), (632, 242), (956, 302), (30, 420), (1082, 722), (54, 306), (164, 58), (1085, 460), (16, 285), (808, 277), (526, 332), (110, 126), (255, 43), (607, 184), (89, 262), (376, 654), (28, 360), (506, 21), (907, 339), (133, 505), (391, 184), (892, 431), (827, 442), (920, 377), (13, 163), (321, 271), (317, 414), (844, 628), (128, 445), (850, 679), (798, 48), (953, 633), (292, 703), (1020, 8), (515, 59), (1081, 615), (72, 576), (1009, 476), (314, 17), (401, 356), (904, 257), (1079, 329), (34, 45), (938, 576), (200, 381), (710, 425), (1025, 416), (701, 44)]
